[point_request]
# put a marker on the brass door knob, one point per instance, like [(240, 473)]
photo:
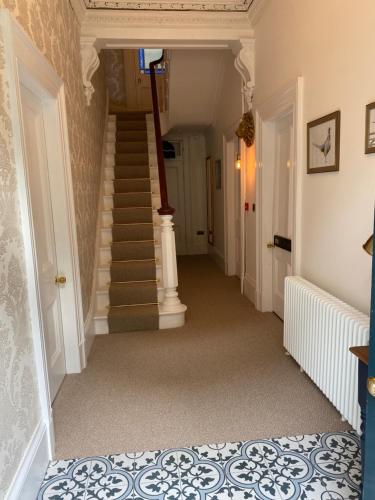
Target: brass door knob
[(60, 280), (270, 245), (371, 386)]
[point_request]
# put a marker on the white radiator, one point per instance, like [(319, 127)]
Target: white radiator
[(318, 331)]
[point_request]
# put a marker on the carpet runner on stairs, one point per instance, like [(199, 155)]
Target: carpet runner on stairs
[(133, 289)]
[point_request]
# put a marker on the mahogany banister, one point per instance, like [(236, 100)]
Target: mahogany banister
[(165, 208)]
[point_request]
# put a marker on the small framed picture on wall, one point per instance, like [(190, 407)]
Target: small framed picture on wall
[(370, 128), (323, 144)]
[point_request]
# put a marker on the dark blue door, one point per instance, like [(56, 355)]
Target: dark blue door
[(369, 471)]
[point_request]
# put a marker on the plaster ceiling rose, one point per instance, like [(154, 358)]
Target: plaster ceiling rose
[(200, 5)]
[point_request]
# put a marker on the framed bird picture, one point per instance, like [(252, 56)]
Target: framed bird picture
[(370, 128), (323, 144)]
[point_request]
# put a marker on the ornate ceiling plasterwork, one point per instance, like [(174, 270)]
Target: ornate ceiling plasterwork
[(199, 5)]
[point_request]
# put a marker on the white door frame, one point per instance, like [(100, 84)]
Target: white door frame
[(287, 100), (26, 65)]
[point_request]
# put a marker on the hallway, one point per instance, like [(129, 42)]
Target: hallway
[(222, 377)]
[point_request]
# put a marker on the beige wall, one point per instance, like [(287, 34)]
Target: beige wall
[(330, 44), (53, 27), (228, 116)]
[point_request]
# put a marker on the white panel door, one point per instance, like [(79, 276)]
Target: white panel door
[(282, 210), (174, 171), (44, 236)]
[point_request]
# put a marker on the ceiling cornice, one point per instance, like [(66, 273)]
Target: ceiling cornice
[(170, 5), (256, 10), (79, 8), (165, 18)]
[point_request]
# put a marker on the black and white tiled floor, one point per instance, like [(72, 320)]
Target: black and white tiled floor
[(315, 467)]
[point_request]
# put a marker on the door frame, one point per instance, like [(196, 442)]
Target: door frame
[(229, 175), (26, 65), (288, 100)]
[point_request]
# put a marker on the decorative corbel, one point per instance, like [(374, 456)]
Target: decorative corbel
[(245, 65), (90, 63)]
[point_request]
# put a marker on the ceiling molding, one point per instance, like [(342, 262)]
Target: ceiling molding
[(256, 10), (167, 19), (79, 8), (125, 29), (168, 5)]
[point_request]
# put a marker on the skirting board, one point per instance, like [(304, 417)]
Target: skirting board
[(30, 473), (217, 257), (89, 332), (249, 288)]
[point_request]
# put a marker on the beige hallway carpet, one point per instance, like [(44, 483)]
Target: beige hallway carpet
[(223, 377)]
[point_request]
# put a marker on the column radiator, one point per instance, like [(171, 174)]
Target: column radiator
[(318, 331)]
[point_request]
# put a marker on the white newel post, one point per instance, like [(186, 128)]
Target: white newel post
[(171, 303)]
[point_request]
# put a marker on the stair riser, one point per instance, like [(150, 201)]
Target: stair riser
[(130, 251), (131, 125), (123, 200), (122, 136), (101, 326), (131, 172), (131, 147), (109, 159), (105, 256), (132, 294), (133, 271), (131, 115), (133, 319), (136, 232), (131, 186), (104, 276), (124, 216), (127, 215), (131, 158), (132, 235), (102, 299), (108, 202), (111, 137)]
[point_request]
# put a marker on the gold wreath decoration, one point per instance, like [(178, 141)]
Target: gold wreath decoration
[(246, 129)]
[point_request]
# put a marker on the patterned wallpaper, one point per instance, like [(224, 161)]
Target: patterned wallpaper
[(115, 74), (53, 27), (18, 395)]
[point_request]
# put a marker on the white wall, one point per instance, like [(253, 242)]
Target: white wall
[(194, 82), (229, 112), (330, 43)]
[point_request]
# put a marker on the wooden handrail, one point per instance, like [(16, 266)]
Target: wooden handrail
[(165, 208)]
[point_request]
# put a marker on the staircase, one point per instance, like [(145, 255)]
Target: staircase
[(129, 270), (137, 278)]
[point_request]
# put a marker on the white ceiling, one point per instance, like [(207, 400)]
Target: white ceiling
[(201, 5)]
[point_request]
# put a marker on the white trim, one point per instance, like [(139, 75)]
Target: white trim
[(32, 468), (36, 73), (217, 257), (228, 176), (10, 68), (249, 288), (287, 100), (90, 318)]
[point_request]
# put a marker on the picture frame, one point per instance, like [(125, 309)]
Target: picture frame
[(218, 174), (210, 186), (323, 144), (370, 129)]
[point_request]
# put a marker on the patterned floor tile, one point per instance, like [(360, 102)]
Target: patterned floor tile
[(317, 467)]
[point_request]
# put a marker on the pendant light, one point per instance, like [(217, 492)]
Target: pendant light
[(238, 160)]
